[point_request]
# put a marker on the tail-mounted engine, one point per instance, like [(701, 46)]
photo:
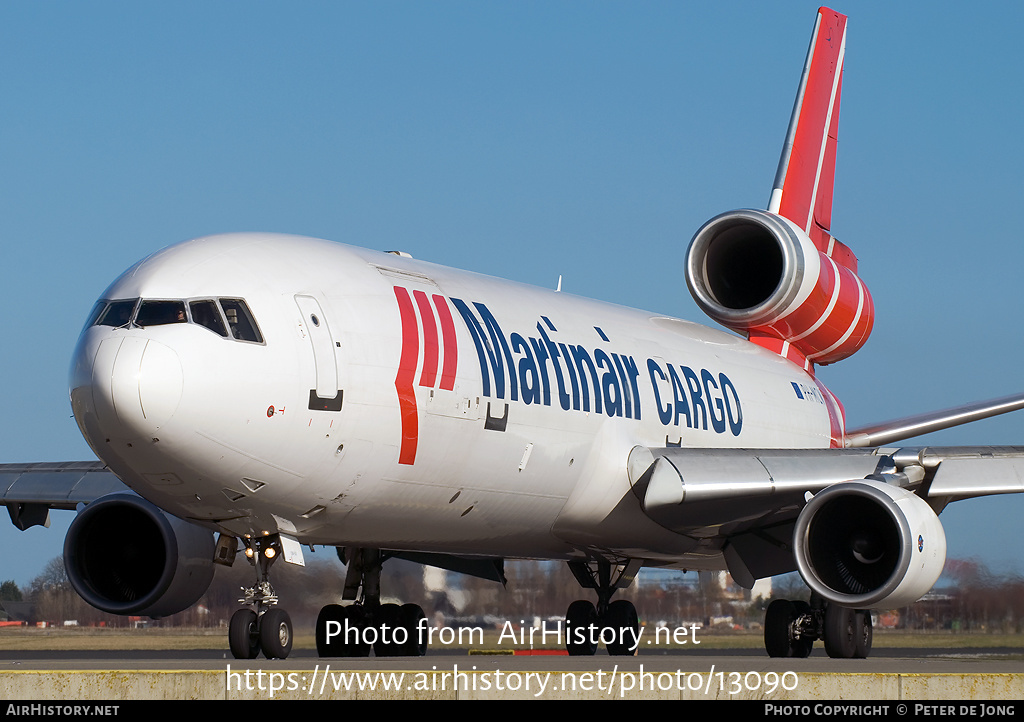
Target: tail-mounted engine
[(123, 555), (758, 273), (866, 544)]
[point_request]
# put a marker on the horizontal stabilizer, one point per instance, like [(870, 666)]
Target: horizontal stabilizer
[(910, 426)]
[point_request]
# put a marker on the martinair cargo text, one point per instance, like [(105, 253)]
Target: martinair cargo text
[(266, 392)]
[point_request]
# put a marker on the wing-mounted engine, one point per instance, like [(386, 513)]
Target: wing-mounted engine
[(867, 544), (124, 555), (859, 542), (758, 273)]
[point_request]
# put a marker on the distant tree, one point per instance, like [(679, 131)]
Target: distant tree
[(789, 586), (53, 578), (9, 592)]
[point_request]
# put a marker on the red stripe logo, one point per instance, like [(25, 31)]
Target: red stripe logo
[(420, 318)]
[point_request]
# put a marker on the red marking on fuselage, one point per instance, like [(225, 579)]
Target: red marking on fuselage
[(434, 345), (406, 376), (429, 372), (451, 345)]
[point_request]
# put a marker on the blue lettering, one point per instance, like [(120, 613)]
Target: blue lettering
[(610, 379), (498, 341), (529, 383), (717, 420), (480, 340), (664, 412), (733, 406), (563, 397), (679, 397), (581, 357), (609, 384), (572, 377), (696, 402), (542, 366)]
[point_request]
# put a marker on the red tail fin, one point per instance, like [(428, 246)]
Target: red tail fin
[(802, 191)]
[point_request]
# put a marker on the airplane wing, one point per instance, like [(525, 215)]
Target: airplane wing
[(750, 500), (29, 491)]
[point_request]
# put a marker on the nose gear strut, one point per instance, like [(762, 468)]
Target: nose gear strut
[(263, 626)]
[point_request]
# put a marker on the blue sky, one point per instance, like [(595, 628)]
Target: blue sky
[(526, 140)]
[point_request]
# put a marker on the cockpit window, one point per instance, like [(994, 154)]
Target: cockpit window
[(117, 313), (205, 313), (240, 321), (226, 317), (159, 313)]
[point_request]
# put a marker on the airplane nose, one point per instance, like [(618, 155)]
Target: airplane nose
[(125, 387)]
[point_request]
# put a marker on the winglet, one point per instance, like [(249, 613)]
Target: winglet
[(802, 191)]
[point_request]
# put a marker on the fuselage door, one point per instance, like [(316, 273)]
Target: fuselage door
[(326, 395)]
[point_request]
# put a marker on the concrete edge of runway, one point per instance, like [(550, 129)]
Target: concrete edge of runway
[(462, 680)]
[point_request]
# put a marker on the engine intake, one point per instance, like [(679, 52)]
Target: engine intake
[(758, 273), (124, 555), (866, 544)]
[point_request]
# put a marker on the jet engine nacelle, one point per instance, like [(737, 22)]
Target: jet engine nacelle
[(758, 273), (124, 555), (866, 544)]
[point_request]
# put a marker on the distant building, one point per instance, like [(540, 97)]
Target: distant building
[(17, 612)]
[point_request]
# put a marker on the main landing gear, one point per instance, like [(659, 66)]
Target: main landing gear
[(390, 630), (616, 624), (791, 628), (263, 627)]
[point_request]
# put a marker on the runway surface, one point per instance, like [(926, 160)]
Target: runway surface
[(995, 660)]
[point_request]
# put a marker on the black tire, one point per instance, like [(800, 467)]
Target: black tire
[(777, 621), (243, 636), (580, 628), (335, 647), (622, 618), (801, 647), (276, 634), (840, 632), (358, 618), (409, 616), (386, 622), (865, 634)]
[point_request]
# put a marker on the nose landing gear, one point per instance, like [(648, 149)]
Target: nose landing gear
[(263, 626)]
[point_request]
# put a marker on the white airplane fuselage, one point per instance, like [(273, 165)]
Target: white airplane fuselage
[(404, 405)]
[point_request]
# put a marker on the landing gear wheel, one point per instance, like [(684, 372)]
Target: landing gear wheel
[(580, 625), (276, 634), (840, 631), (863, 628), (358, 619), (778, 620), (801, 647), (335, 647), (243, 635), (625, 624), (386, 624), (409, 616)]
